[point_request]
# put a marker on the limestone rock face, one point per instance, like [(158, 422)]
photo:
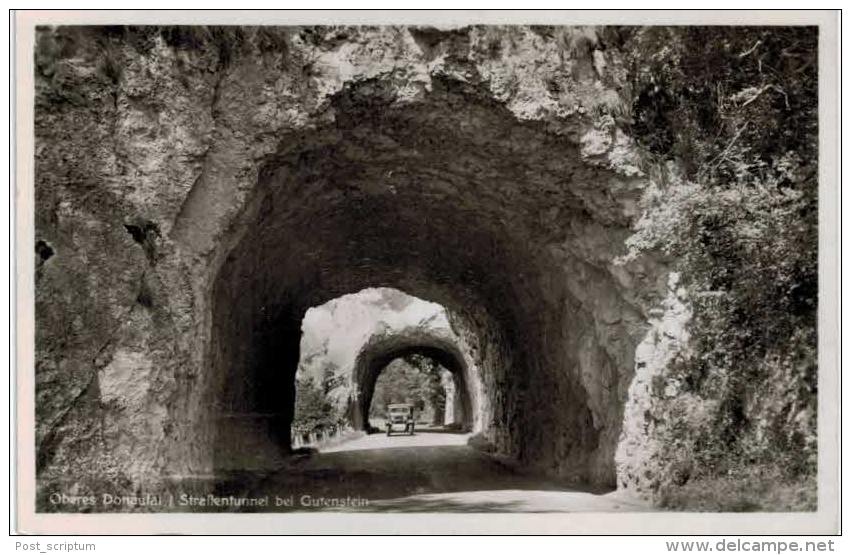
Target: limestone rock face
[(198, 190), (652, 389)]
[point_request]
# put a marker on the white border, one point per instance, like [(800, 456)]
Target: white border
[(825, 521)]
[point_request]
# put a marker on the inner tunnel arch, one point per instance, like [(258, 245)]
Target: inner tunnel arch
[(374, 357)]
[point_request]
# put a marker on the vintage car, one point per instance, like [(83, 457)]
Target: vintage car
[(400, 418)]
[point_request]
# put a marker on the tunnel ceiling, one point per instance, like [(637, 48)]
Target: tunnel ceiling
[(450, 198)]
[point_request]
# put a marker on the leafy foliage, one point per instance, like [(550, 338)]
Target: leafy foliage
[(729, 119), (726, 102), (414, 379), (757, 489), (313, 409)]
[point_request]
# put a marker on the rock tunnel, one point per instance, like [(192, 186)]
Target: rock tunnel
[(374, 357), (453, 200), (479, 168)]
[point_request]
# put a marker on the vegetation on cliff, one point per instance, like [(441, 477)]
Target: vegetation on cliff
[(729, 122)]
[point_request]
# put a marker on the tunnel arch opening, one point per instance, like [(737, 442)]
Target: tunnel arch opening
[(349, 341), (377, 356), (448, 197), (440, 400)]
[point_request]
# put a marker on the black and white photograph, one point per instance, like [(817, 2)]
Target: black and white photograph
[(325, 267)]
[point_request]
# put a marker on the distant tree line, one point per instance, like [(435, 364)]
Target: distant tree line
[(414, 379)]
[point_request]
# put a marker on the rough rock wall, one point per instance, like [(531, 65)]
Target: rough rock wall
[(639, 466), (198, 189)]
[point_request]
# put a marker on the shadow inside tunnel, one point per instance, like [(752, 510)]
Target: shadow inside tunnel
[(403, 479), (441, 430), (508, 501), (420, 428), (446, 505)]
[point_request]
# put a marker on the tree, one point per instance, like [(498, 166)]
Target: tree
[(414, 379), (313, 410), (434, 392)]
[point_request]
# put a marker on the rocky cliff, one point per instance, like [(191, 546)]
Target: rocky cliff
[(198, 189)]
